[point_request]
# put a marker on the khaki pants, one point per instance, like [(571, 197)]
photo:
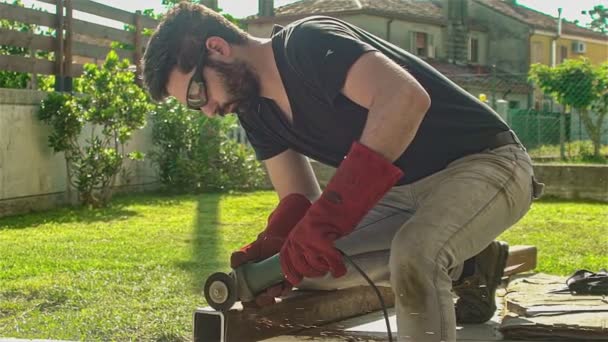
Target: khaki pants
[(418, 236)]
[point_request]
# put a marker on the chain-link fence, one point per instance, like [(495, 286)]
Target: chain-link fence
[(549, 131), (555, 136), (514, 89)]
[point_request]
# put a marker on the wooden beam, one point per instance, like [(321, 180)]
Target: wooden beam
[(26, 15), (59, 50), (97, 51), (99, 31), (28, 40), (521, 259), (109, 12), (25, 64), (138, 46), (76, 70), (69, 38), (34, 65)]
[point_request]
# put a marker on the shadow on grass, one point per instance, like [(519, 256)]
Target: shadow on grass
[(114, 212), (206, 252)]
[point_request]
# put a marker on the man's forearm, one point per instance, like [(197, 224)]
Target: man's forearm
[(290, 172)]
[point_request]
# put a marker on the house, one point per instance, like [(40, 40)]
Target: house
[(486, 46), (546, 40)]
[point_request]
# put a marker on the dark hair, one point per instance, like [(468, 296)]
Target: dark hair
[(178, 40)]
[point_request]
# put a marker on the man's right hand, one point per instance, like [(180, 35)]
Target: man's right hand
[(281, 221)]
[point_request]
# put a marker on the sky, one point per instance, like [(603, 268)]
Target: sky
[(242, 8)]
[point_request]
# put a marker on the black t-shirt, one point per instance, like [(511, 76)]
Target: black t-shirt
[(313, 56)]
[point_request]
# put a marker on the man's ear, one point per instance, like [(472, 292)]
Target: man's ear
[(218, 46)]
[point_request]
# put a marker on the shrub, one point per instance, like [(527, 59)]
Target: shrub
[(113, 107), (194, 154)]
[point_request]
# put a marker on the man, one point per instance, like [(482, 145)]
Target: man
[(427, 176)]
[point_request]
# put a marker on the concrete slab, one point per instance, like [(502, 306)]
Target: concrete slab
[(372, 327)]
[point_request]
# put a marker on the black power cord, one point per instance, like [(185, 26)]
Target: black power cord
[(371, 283)]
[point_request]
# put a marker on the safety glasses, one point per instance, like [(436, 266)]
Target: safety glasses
[(196, 95)]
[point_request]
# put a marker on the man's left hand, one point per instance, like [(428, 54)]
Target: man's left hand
[(309, 251)]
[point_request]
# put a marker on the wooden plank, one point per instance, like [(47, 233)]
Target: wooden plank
[(98, 51), (34, 65), (521, 259), (302, 310), (109, 12), (27, 40), (25, 64), (112, 13), (26, 15), (76, 70), (100, 31)]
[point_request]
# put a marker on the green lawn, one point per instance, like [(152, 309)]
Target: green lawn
[(135, 271)]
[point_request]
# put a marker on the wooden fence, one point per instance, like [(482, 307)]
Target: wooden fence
[(75, 41)]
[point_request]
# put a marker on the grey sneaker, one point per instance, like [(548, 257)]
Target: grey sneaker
[(476, 302)]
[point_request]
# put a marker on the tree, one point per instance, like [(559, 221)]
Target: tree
[(112, 106), (578, 84), (599, 18)]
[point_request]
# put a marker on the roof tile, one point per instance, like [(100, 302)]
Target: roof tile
[(537, 19), (430, 10)]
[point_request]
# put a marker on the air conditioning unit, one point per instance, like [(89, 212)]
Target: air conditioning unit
[(579, 47)]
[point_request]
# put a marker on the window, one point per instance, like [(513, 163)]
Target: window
[(536, 55), (474, 50), (563, 53), (421, 44)]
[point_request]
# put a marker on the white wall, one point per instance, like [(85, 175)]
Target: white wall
[(31, 175)]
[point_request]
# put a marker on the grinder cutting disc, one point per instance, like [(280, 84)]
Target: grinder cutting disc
[(220, 291)]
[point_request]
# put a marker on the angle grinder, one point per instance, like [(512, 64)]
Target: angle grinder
[(244, 283), (248, 280)]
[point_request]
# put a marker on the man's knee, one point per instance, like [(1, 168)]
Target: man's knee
[(414, 259), (418, 257), (411, 279)]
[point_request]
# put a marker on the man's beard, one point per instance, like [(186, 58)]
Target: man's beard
[(240, 82)]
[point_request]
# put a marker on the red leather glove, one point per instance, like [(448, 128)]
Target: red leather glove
[(280, 222), (363, 177), (268, 243)]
